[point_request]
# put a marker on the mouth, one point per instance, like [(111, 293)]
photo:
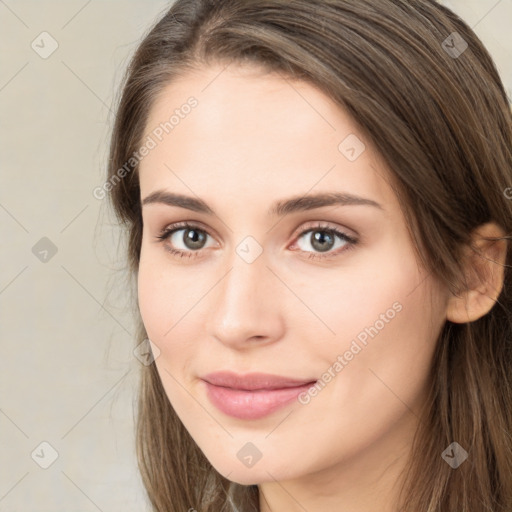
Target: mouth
[(252, 396)]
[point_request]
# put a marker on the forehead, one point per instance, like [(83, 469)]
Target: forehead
[(255, 135)]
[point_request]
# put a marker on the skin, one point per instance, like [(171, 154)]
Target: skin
[(254, 139)]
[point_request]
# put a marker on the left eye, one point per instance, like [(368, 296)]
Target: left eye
[(323, 240)]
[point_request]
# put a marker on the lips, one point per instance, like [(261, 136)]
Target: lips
[(253, 395)]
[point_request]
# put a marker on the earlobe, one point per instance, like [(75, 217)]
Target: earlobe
[(484, 276)]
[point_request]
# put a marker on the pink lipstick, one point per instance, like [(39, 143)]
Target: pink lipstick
[(253, 395)]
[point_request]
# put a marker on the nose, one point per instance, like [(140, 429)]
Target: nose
[(245, 305)]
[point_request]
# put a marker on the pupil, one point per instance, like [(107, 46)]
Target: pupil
[(318, 240), (194, 239)]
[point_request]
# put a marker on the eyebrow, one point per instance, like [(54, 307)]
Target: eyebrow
[(279, 208)]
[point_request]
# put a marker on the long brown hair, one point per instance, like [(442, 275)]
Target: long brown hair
[(438, 113)]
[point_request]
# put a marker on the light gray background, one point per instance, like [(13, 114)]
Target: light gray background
[(67, 372)]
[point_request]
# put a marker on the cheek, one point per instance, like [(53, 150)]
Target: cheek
[(151, 299), (160, 311), (168, 300), (383, 326), (161, 306), (163, 297), (387, 337), (347, 300)]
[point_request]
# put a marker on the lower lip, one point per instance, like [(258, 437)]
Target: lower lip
[(251, 405)]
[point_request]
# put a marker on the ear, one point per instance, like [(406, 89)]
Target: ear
[(484, 274)]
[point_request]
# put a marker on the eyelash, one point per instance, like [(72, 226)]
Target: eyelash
[(169, 230)]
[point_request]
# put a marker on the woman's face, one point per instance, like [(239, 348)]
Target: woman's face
[(281, 273)]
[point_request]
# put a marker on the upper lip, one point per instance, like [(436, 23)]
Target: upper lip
[(253, 381)]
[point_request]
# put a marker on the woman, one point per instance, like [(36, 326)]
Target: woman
[(317, 200)]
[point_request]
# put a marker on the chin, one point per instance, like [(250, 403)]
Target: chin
[(242, 476), (260, 473)]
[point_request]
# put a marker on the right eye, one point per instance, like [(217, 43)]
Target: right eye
[(183, 239)]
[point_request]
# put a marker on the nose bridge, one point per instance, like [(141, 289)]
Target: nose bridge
[(239, 294), (244, 305)]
